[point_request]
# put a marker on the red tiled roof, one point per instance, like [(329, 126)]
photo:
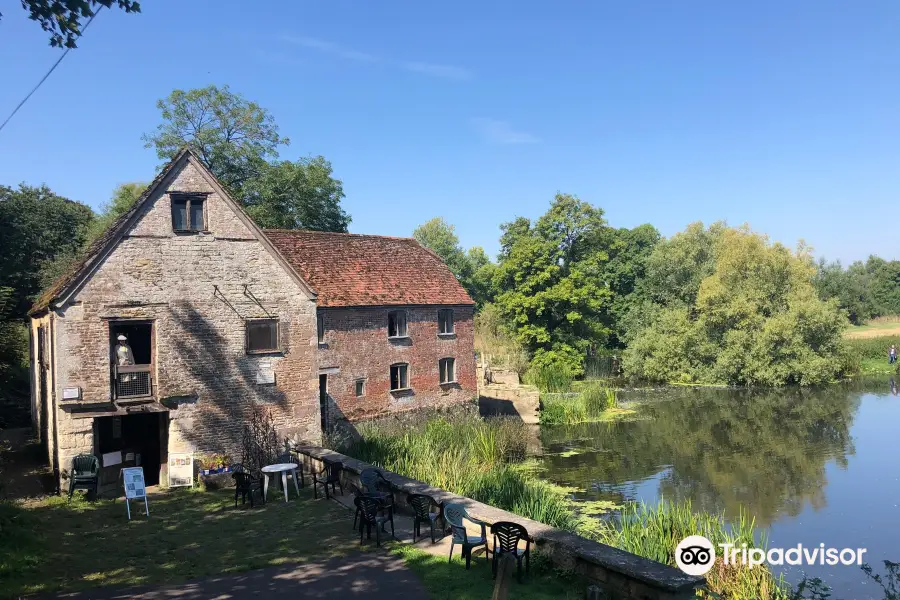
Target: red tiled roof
[(347, 269)]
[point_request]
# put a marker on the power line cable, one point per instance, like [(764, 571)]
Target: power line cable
[(44, 78)]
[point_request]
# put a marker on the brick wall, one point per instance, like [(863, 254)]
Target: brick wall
[(356, 346), (197, 289)]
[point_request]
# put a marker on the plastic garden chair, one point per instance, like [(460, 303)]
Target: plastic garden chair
[(369, 509), (245, 485), (507, 536), (456, 515), (421, 505), (84, 475), (329, 475)]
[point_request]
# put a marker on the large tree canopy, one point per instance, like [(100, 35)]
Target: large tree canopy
[(121, 201), (730, 307), (233, 136), (65, 19), (238, 140), (296, 195), (550, 285), (36, 228)]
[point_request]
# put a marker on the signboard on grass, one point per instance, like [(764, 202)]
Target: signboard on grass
[(135, 489), (181, 470)]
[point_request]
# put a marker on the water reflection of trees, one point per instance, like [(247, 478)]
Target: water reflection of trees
[(766, 451)]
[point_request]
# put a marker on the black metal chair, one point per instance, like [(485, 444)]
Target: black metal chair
[(245, 485), (290, 457), (372, 512), (329, 475), (421, 505), (507, 536), (84, 475)]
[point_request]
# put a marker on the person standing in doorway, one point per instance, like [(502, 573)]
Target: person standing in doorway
[(124, 355)]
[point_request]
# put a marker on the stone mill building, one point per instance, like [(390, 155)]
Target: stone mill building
[(185, 316)]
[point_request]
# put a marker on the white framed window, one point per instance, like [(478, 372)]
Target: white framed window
[(360, 388), (397, 324), (399, 376), (320, 327), (447, 367), (445, 321)]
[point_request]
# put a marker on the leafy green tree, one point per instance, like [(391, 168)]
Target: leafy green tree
[(123, 198), (629, 250), (232, 136), (549, 282), (36, 227), (756, 319), (852, 288), (885, 285), (296, 195), (64, 18), (473, 269)]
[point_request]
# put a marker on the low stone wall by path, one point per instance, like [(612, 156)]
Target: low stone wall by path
[(620, 574)]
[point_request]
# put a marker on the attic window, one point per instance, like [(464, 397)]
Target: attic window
[(188, 212), (397, 324)]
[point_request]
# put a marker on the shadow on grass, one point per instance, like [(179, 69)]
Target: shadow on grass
[(49, 546), (450, 580)]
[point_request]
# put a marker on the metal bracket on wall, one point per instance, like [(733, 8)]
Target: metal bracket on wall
[(250, 295), (217, 293)]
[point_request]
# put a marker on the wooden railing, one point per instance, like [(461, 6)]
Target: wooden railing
[(133, 381)]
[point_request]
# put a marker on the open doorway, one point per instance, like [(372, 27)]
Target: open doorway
[(134, 440), (131, 359)]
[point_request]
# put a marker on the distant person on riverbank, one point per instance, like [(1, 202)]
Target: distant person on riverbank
[(892, 355)]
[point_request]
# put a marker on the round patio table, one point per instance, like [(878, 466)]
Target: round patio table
[(283, 468)]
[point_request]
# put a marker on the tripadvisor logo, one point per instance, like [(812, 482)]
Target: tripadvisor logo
[(695, 555)]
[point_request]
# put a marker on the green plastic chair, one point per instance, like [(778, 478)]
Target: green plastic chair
[(84, 475), (456, 515)]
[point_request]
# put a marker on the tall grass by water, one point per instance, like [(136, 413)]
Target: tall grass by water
[(654, 531), (555, 380), (591, 403), (467, 455)]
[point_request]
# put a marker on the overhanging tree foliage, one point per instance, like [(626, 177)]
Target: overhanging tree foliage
[(65, 19)]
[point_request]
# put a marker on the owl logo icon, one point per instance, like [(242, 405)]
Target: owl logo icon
[(695, 555)]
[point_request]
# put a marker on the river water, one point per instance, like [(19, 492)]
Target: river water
[(812, 466)]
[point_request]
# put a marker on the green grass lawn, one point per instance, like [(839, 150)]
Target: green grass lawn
[(876, 366), (50, 546)]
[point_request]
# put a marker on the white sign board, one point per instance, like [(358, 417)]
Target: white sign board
[(181, 470), (133, 479), (265, 373)]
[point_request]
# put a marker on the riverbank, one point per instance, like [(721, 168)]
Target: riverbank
[(485, 460)]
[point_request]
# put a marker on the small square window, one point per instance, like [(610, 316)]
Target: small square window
[(445, 321), (188, 212), (399, 376), (360, 388), (447, 368), (397, 324), (320, 327), (262, 335)]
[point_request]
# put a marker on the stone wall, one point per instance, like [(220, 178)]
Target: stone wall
[(197, 290), (620, 574), (356, 346)]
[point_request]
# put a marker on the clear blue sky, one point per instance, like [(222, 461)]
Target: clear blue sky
[(782, 114)]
